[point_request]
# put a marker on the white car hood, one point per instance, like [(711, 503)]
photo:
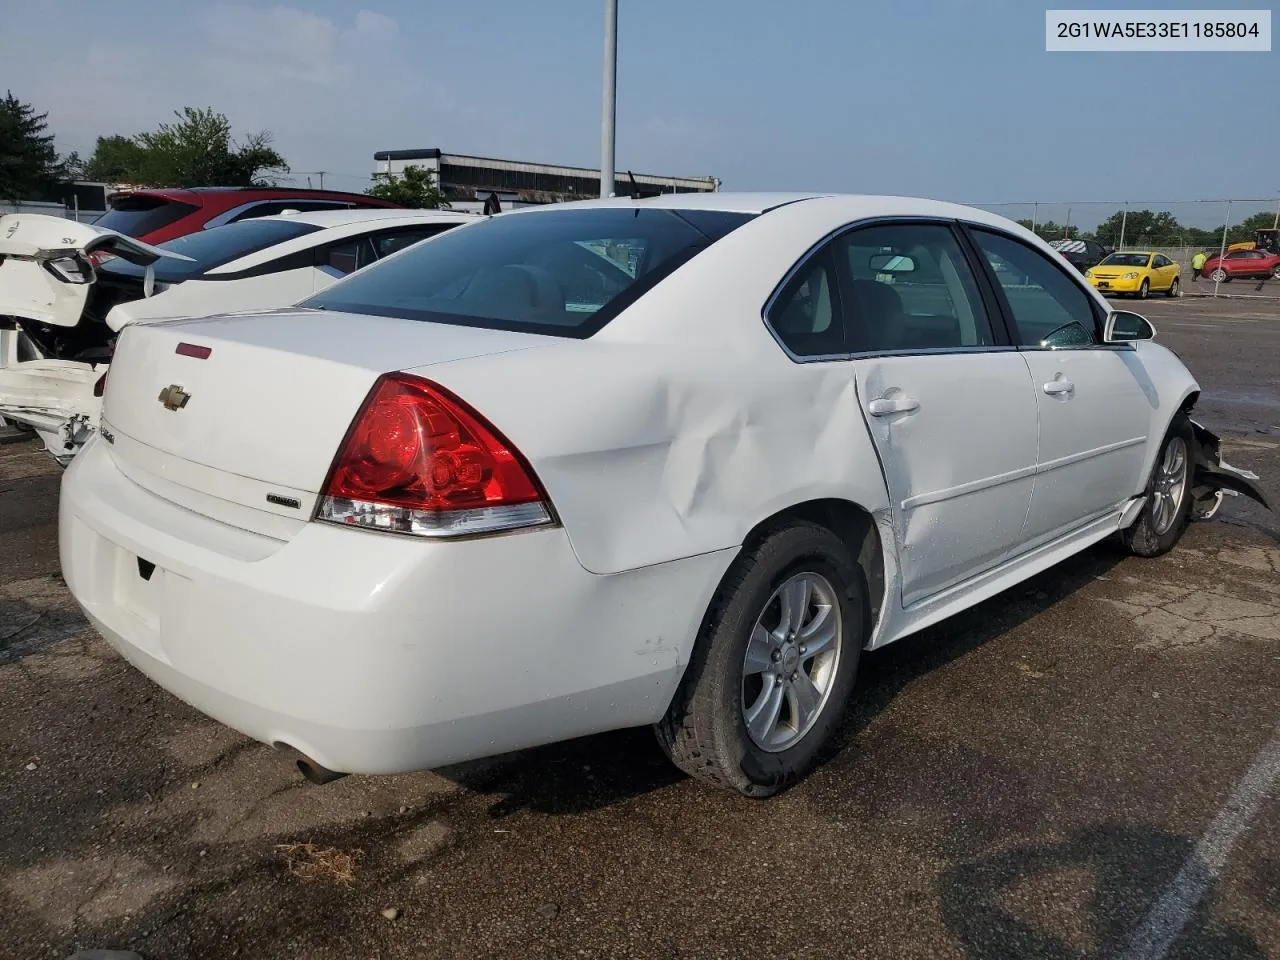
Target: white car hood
[(29, 241)]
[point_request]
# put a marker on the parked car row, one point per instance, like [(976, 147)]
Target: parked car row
[(674, 461), (155, 216), (67, 289)]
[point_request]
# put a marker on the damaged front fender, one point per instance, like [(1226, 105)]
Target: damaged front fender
[(1212, 476)]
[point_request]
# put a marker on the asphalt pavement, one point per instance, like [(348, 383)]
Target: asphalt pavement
[(1082, 767)]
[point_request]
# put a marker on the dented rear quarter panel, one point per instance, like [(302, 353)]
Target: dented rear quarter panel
[(682, 425)]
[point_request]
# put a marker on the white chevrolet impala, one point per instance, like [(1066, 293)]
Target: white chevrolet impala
[(673, 461)]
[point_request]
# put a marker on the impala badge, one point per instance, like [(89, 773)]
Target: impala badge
[(174, 397)]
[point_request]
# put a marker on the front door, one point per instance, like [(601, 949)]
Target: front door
[(1095, 401)]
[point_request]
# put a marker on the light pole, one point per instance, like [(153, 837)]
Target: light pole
[(610, 96)]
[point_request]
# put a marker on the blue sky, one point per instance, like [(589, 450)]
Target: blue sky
[(944, 98)]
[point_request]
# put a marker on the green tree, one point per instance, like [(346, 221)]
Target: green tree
[(29, 165), (115, 159), (416, 188), (1141, 228), (195, 151)]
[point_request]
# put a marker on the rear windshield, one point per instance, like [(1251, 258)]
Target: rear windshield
[(214, 247), (136, 216), (559, 272), (1126, 260)]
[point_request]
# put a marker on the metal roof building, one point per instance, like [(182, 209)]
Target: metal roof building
[(466, 181)]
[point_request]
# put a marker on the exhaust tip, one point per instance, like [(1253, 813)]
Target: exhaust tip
[(315, 773)]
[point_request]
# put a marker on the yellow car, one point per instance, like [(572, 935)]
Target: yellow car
[(1138, 272)]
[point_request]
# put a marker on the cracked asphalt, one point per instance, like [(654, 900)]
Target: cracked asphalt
[(1024, 781)]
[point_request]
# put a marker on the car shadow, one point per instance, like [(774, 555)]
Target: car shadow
[(589, 773), (883, 673)]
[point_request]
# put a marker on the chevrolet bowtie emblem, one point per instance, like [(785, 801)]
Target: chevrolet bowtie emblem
[(174, 397)]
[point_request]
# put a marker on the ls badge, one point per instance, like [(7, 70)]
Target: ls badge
[(174, 397)]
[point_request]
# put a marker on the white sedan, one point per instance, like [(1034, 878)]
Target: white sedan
[(674, 461), (61, 307)]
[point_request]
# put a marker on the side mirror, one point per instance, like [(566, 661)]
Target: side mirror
[(1125, 327)]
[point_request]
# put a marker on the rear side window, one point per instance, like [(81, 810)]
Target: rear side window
[(136, 216), (806, 314), (212, 248), (559, 272), (1049, 309)]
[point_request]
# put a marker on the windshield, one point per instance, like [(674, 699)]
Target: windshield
[(1126, 260), (214, 247), (560, 272)]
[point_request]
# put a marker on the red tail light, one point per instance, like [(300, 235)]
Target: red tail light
[(100, 387), (419, 460)]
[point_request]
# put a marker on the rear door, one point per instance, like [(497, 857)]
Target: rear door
[(1095, 401), (949, 403)]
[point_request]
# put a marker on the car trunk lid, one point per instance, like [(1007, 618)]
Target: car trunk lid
[(251, 408)]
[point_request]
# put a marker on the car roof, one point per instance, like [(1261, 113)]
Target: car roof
[(341, 218), (256, 192), (856, 204)]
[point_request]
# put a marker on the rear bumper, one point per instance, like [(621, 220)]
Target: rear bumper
[(373, 653)]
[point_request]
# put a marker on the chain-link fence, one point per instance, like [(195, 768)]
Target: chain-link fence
[(1178, 229)]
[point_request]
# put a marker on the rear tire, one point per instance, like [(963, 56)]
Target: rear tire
[(1173, 288), (1275, 272), (1167, 512), (755, 705)]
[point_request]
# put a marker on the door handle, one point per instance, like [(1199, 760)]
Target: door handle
[(1058, 387), (895, 404)]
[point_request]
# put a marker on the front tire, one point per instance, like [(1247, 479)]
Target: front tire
[(1275, 272), (1219, 276), (1173, 288), (1167, 512), (1144, 291), (773, 665)]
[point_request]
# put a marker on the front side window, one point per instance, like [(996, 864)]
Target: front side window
[(549, 272), (1048, 308), (389, 243), (912, 289), (1163, 261)]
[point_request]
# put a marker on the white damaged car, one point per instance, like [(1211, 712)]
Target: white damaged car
[(67, 289), (675, 461)]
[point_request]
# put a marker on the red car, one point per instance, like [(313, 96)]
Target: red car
[(155, 216), (1242, 264)]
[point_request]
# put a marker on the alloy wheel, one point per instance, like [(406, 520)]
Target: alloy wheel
[(791, 661), (1169, 486)]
